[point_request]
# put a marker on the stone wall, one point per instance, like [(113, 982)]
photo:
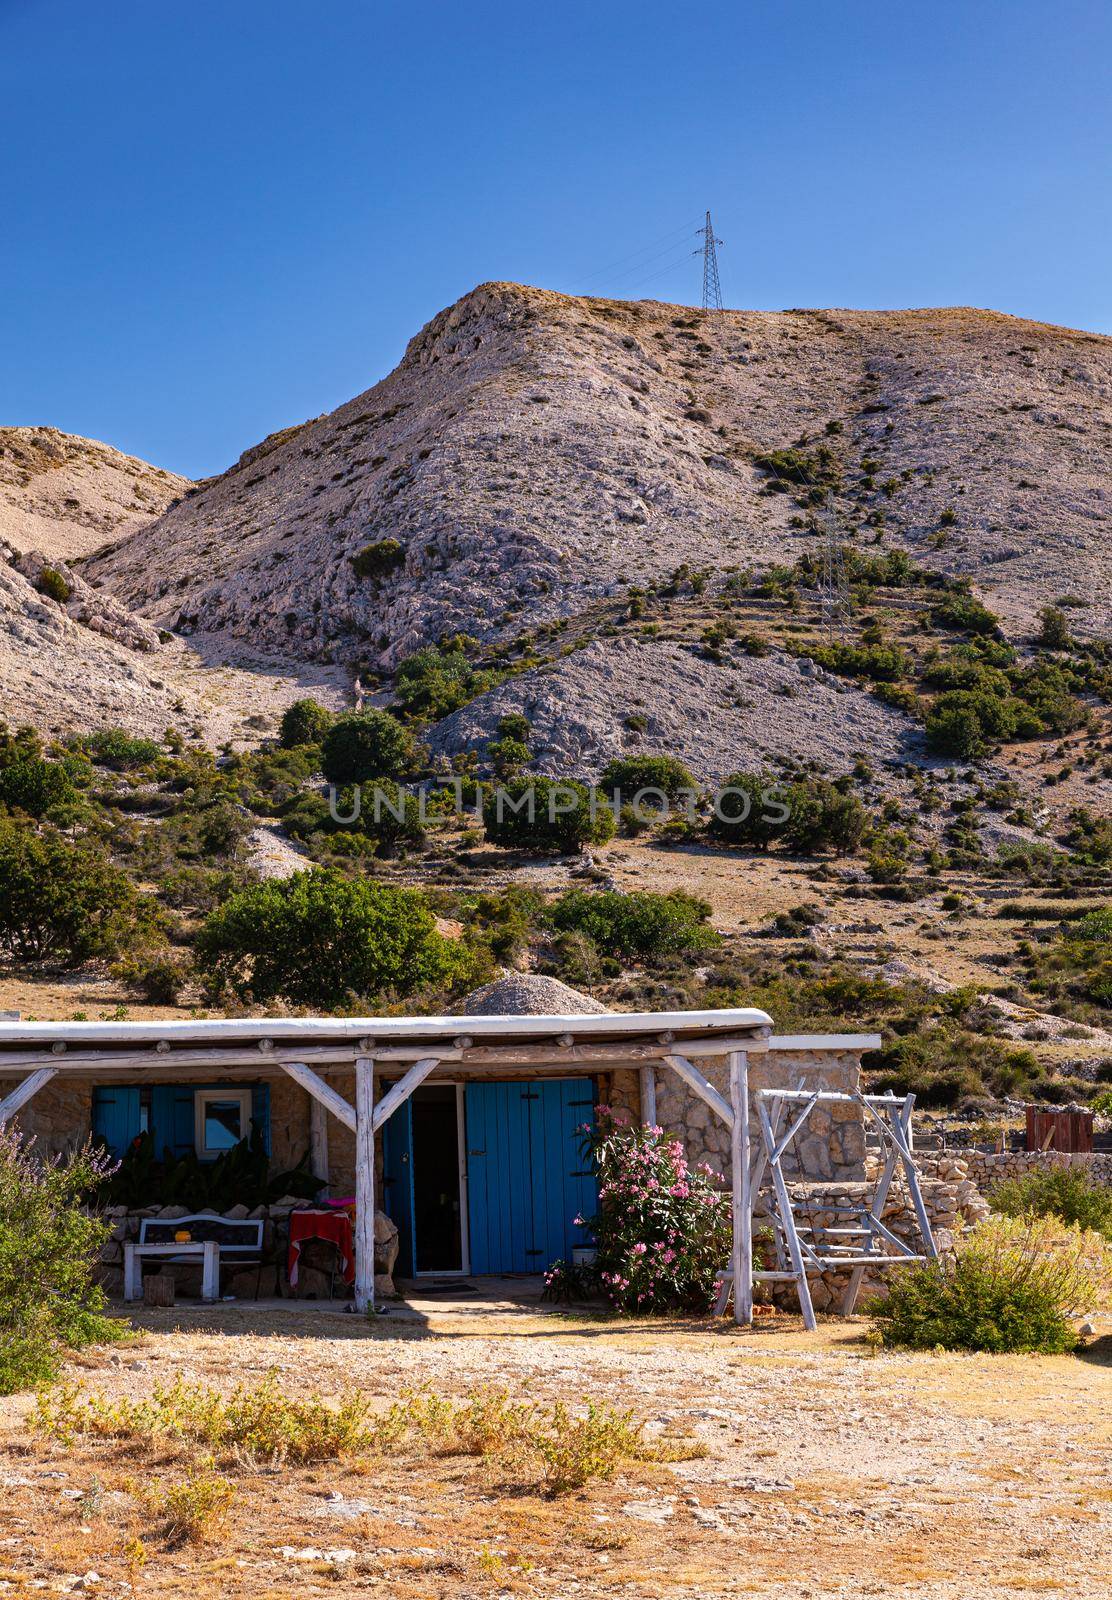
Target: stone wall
[(832, 1144), (987, 1168)]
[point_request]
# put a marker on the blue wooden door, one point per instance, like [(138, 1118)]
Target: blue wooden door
[(526, 1177), (397, 1173)]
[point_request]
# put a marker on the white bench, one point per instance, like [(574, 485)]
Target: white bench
[(211, 1237)]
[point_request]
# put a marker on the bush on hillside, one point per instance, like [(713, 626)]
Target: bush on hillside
[(631, 774), (319, 940), (55, 584), (61, 901), (303, 722), (435, 682), (756, 810), (36, 786), (113, 747), (942, 1064), (379, 560), (638, 926), (542, 814), (1068, 1193), (365, 745), (1012, 1286), (49, 1246)]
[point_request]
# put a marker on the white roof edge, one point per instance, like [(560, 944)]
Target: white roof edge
[(825, 1041), (384, 1030)]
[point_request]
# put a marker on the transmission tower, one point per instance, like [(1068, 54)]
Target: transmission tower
[(835, 601), (712, 293)]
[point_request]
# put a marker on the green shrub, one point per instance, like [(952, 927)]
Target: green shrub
[(942, 1063), (36, 786), (317, 939), (55, 584), (63, 901), (507, 757), (965, 614), (435, 682), (1012, 1286), (49, 1246), (112, 747), (379, 560), (365, 745), (303, 722), (541, 814), (639, 926), (804, 815), (1068, 1193), (795, 466), (631, 774), (1054, 629)]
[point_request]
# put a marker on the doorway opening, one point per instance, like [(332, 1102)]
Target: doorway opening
[(438, 1225)]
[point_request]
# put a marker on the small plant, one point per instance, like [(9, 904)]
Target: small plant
[(577, 1449), (377, 561), (55, 585), (1012, 1285), (197, 1508)]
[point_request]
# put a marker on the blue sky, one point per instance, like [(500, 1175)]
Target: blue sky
[(218, 217)]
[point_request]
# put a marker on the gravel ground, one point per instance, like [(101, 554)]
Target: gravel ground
[(828, 1470)]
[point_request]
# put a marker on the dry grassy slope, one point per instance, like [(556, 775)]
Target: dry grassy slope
[(533, 450), (67, 496)]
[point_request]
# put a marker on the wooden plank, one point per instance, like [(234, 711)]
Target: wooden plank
[(20, 1095), (364, 1183), (741, 1261), (706, 1091), (787, 1220), (308, 1079), (404, 1087), (318, 1142), (648, 1095)]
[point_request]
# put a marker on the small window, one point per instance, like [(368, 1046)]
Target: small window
[(222, 1119)]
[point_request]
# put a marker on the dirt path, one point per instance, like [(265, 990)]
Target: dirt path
[(828, 1470)]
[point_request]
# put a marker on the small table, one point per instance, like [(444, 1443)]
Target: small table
[(207, 1249), (334, 1227)]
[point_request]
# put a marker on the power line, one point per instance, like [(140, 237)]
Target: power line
[(670, 240)]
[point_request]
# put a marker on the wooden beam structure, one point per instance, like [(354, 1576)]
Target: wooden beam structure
[(706, 1091), (23, 1092), (741, 1262), (401, 1091), (321, 1091), (647, 1075)]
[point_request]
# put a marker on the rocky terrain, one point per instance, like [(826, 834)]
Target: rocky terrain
[(534, 451), (67, 496), (619, 696)]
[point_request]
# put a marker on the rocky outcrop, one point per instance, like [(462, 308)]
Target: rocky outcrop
[(534, 452)]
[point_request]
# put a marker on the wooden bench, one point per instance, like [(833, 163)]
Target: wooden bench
[(210, 1238)]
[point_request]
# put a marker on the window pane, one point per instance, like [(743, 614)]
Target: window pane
[(223, 1124)]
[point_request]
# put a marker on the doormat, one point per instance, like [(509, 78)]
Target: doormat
[(427, 1286)]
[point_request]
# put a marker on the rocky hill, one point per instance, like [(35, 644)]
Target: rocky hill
[(67, 496), (72, 655), (533, 452)]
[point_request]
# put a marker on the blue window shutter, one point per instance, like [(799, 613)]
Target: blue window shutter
[(260, 1111), (116, 1116), (172, 1119)]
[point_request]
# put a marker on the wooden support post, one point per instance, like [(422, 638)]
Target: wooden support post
[(364, 1184), (23, 1092), (648, 1096), (742, 1257), (318, 1142), (210, 1271)]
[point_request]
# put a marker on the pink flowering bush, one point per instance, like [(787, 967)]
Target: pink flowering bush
[(663, 1227)]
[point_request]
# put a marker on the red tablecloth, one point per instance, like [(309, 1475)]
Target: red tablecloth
[(335, 1226)]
